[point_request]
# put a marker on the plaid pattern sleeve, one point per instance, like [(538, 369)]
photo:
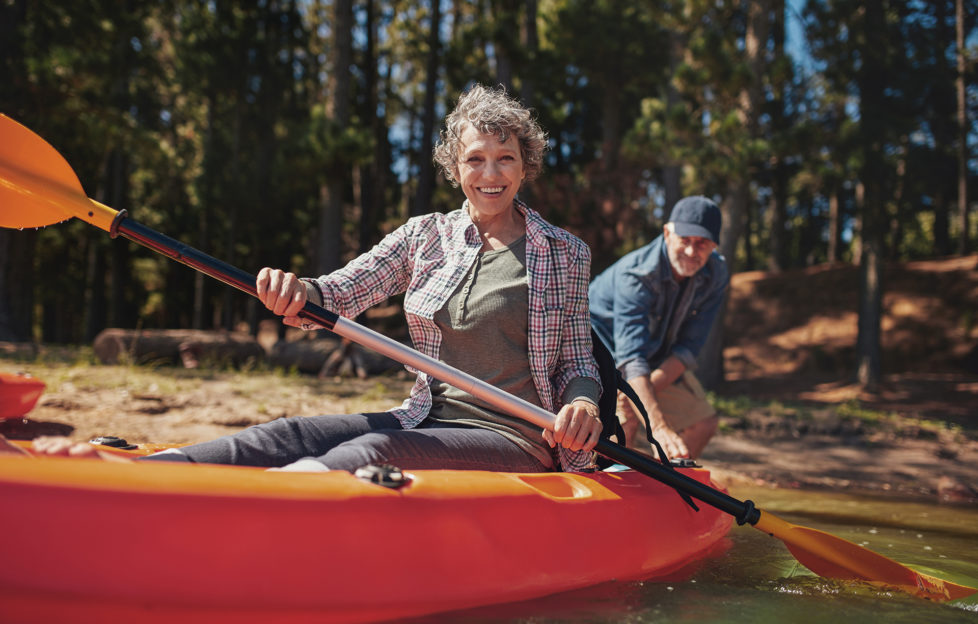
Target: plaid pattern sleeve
[(576, 357)]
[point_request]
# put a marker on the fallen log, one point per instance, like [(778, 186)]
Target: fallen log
[(330, 357), (351, 359), (304, 355), (19, 349), (187, 347)]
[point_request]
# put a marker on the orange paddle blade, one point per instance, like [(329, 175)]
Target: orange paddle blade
[(37, 185), (833, 557)]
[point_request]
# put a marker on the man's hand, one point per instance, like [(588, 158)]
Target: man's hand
[(645, 387), (671, 442)]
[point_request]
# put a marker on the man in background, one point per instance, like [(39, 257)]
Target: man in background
[(654, 309)]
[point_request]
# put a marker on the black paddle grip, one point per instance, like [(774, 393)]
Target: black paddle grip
[(743, 511)]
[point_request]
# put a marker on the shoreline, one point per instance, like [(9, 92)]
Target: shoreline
[(815, 446)]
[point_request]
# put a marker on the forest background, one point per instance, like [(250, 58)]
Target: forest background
[(297, 133)]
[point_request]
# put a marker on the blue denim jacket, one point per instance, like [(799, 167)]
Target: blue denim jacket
[(643, 315)]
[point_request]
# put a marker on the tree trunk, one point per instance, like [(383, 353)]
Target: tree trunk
[(871, 83), (233, 210), (530, 46), (749, 226), (200, 281), (671, 172), (777, 249), (16, 284), (835, 224), (733, 207), (944, 125), (504, 25), (962, 142), (16, 248), (751, 99), (777, 207), (942, 240), (371, 190), (120, 311), (896, 228), (329, 241), (868, 345), (94, 301), (426, 175)]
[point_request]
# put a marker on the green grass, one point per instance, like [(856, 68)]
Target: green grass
[(738, 411)]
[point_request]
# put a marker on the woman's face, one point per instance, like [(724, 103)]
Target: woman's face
[(489, 172)]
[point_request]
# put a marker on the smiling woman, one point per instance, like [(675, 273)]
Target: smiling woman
[(492, 273)]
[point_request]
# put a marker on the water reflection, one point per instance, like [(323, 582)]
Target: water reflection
[(756, 580)]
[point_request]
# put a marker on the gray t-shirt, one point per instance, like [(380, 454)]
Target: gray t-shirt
[(484, 333)]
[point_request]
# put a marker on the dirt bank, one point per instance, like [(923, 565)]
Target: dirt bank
[(791, 414)]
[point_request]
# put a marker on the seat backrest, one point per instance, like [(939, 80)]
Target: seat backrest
[(608, 403)]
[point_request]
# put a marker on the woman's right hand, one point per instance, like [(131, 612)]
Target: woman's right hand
[(282, 293)]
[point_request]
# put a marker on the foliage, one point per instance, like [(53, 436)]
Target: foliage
[(216, 123)]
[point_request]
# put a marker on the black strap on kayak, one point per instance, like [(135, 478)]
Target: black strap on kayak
[(608, 403), (611, 383)]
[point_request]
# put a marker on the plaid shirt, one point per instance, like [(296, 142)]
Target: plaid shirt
[(427, 258)]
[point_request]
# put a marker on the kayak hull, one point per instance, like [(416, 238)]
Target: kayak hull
[(18, 394), (88, 540)]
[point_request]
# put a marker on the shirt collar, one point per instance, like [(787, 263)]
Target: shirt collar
[(536, 227)]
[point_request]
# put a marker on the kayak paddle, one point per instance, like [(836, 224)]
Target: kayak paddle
[(38, 188)]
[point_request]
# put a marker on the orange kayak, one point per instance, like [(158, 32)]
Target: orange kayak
[(85, 540), (18, 394)]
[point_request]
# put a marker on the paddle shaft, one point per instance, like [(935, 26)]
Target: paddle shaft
[(505, 402)]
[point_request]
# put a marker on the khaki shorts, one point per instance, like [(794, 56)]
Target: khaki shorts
[(683, 404)]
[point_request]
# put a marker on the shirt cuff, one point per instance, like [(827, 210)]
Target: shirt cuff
[(314, 291), (686, 357), (638, 367), (583, 388)]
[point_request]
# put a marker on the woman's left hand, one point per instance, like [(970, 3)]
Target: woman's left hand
[(577, 427)]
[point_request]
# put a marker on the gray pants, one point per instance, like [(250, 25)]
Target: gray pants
[(350, 441)]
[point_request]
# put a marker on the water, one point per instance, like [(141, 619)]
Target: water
[(756, 580)]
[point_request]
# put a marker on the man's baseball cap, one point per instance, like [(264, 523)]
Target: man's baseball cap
[(696, 216)]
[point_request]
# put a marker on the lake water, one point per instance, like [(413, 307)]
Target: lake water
[(756, 580)]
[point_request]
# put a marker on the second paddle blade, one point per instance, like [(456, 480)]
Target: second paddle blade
[(833, 557)]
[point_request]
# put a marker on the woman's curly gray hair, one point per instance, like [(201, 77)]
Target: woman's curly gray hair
[(491, 111)]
